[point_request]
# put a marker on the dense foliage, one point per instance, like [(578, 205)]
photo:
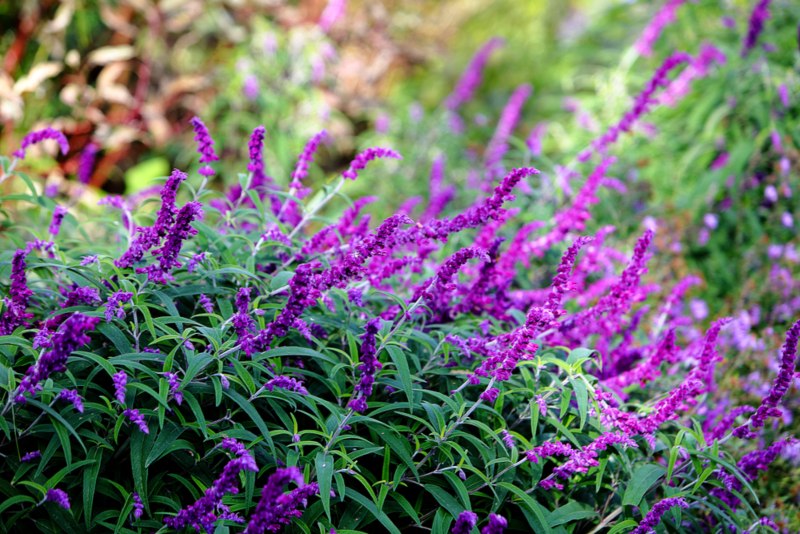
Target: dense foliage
[(489, 357)]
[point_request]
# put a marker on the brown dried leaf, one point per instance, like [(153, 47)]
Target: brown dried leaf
[(37, 75), (110, 54)]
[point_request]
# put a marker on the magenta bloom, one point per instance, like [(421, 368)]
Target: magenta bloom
[(663, 18), (138, 506), (206, 303), (472, 76), (205, 146), (498, 146), (653, 517), (38, 136), (168, 253), (333, 11), (534, 140), (174, 387), (641, 105), (57, 496), (14, 312), (361, 160), (30, 456), (303, 161)]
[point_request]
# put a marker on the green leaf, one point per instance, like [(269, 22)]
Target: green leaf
[(90, 483), (642, 479), (444, 499), (372, 509), (531, 504), (324, 466)]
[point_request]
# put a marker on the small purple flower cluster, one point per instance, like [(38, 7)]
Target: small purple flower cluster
[(276, 509), (368, 367), (205, 146), (361, 160), (38, 136)]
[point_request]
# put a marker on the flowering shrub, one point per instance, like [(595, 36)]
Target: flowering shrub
[(260, 358)]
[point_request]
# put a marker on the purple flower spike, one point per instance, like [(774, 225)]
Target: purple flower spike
[(114, 304), (58, 218), (174, 387), (497, 525), (653, 517), (368, 368), (40, 135), (303, 161), (14, 312), (86, 163), (206, 303), (663, 18), (472, 76), (203, 513), (120, 381), (31, 456), (361, 160), (498, 146), (534, 140), (256, 165), (287, 383), (70, 395), (205, 146), (276, 508), (137, 419), (782, 383), (758, 17), (71, 334), (508, 439), (138, 506), (168, 253), (57, 496), (641, 105), (465, 522)]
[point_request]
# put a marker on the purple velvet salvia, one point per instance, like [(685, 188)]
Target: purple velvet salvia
[(465, 522), (174, 387), (489, 395), (205, 146), (758, 17), (287, 383), (195, 260), (438, 291), (364, 157), (71, 334), (664, 17), (653, 517), (58, 217), (641, 105), (508, 439), (88, 260), (206, 303), (114, 305), (82, 296), (70, 395), (149, 237), (256, 165), (168, 253), (472, 76), (137, 419), (58, 497), (497, 525), (698, 68), (368, 368), (204, 512), (782, 383), (120, 380), (86, 163), (498, 145), (14, 312), (440, 196), (276, 509), (40, 135), (30, 456), (534, 140), (138, 506), (303, 161)]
